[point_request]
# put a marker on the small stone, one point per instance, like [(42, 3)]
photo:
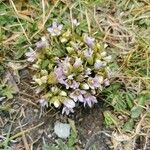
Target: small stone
[(62, 130)]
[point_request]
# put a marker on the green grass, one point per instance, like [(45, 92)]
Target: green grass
[(127, 100)]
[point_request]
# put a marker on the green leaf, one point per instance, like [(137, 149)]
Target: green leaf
[(128, 126), (52, 78), (20, 52), (22, 39), (46, 147), (45, 63), (136, 111), (1, 70), (129, 99), (144, 98), (110, 118), (73, 137), (61, 145), (8, 93)]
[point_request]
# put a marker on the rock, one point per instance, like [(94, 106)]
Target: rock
[(62, 130)]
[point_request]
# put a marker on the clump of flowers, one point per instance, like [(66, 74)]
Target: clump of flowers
[(70, 68)]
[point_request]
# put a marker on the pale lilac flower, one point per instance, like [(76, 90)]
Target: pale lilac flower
[(99, 64), (66, 65), (88, 53), (77, 95), (95, 82), (55, 29), (67, 110), (78, 63), (89, 100), (70, 83), (69, 104), (87, 72), (75, 22), (31, 55), (89, 41), (42, 43), (106, 82), (59, 73), (43, 102)]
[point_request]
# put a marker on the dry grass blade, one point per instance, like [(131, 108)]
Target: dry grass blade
[(26, 145), (45, 19), (14, 7), (25, 131)]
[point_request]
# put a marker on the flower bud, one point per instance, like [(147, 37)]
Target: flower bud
[(44, 79), (55, 90), (108, 58), (85, 86), (63, 40), (67, 33), (36, 66), (63, 93), (103, 54), (55, 101), (70, 50), (38, 81), (44, 72)]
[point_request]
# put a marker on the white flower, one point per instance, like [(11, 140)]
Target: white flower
[(88, 53), (78, 62)]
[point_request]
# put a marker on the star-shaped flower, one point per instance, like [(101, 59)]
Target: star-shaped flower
[(55, 29)]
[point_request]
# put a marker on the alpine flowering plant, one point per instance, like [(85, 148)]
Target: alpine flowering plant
[(70, 68)]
